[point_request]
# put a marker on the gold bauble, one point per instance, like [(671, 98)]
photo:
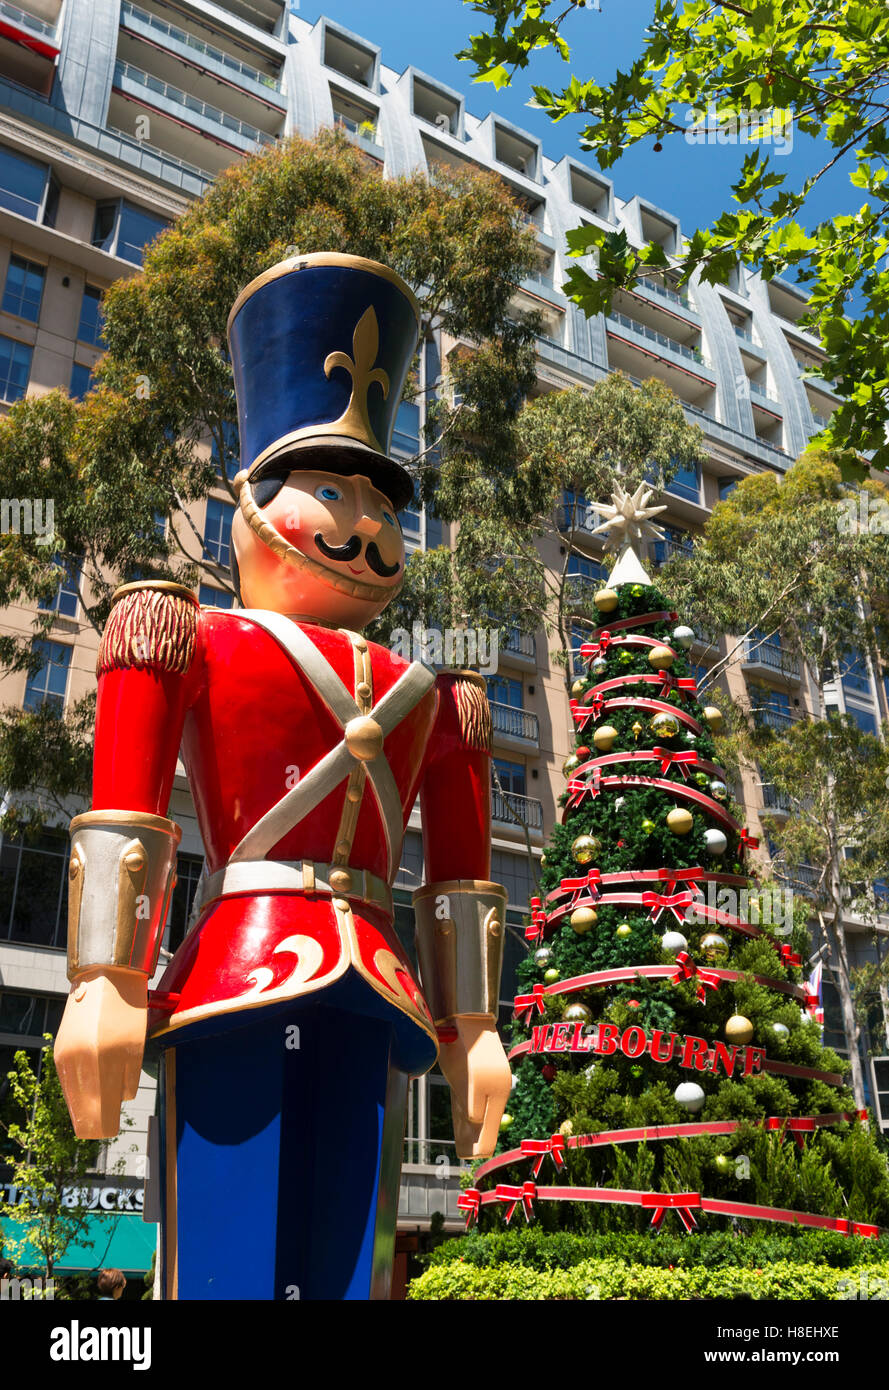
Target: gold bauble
[(661, 658), (624, 930), (680, 821), (583, 919), (664, 725), (576, 1013), (579, 686), (713, 718), (606, 600), (714, 946), (566, 1128), (543, 861), (570, 763), (603, 738), (585, 848), (739, 1030)]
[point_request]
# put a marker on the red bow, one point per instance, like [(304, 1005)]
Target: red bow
[(469, 1201), (667, 756), (539, 1148), (748, 841), (590, 650), (684, 1213), (581, 714), (527, 1003), (513, 1196), (535, 929), (592, 881), (687, 969), (580, 787), (673, 902), (788, 958), (685, 684)]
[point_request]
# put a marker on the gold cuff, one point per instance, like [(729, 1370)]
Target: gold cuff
[(460, 926), (120, 879)]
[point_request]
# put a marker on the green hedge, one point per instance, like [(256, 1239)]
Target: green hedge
[(546, 1250), (610, 1279)]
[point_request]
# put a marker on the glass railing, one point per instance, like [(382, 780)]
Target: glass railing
[(757, 390), (657, 288), (190, 103), (509, 808), (207, 50), (162, 154), (515, 723), (744, 335), (24, 20), (692, 353), (364, 130)]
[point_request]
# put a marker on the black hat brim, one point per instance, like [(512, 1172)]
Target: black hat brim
[(346, 459)]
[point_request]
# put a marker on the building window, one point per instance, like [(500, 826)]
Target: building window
[(30, 1015), (211, 597), (503, 690), (89, 329), (410, 869), (406, 434), (727, 486), (231, 447), (23, 184), (686, 483), (218, 531), (771, 708), (49, 684), (512, 776), (34, 890), (855, 674), (81, 381), (189, 869), (124, 230), (66, 598), (864, 718), (15, 368), (23, 290)]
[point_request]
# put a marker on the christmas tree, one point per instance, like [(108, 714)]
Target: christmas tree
[(665, 1053)]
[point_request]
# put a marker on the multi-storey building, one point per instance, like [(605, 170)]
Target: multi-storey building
[(113, 116)]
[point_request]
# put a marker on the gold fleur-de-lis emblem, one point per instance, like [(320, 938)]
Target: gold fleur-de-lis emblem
[(355, 420)]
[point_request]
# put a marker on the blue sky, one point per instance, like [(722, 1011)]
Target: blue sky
[(691, 181)]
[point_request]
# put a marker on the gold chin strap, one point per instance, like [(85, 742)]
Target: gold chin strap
[(357, 588)]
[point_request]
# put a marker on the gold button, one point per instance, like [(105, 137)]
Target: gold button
[(364, 738), (494, 928), (341, 904), (342, 849), (354, 794), (360, 645), (341, 880), (363, 690)]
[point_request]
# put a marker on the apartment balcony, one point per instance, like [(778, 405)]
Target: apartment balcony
[(775, 803), (180, 106), (543, 287), (770, 658), (579, 515), (28, 29), (517, 648), (143, 146), (516, 726), (361, 133), (678, 298), (580, 590), (192, 49), (509, 808), (668, 345), (761, 394), (768, 717)]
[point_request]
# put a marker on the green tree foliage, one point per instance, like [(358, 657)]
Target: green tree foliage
[(135, 450), (818, 64), (791, 557), (632, 825), (46, 1158), (522, 509)]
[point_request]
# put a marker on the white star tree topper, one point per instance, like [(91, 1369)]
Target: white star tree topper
[(628, 522)]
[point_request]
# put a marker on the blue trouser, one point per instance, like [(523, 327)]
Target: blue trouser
[(282, 1181)]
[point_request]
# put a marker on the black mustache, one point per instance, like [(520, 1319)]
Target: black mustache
[(352, 549)]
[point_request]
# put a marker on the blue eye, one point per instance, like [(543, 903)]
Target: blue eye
[(387, 516), (326, 493)]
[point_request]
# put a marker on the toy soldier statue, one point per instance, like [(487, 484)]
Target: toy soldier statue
[(289, 1020)]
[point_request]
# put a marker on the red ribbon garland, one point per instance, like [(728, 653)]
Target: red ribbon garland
[(592, 881), (682, 760), (470, 1201), (539, 1148), (512, 1196), (673, 901), (687, 969), (537, 926)]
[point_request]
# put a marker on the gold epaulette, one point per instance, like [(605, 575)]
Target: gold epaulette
[(152, 626), (473, 709)]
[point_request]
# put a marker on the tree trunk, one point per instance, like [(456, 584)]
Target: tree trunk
[(884, 1005), (851, 1028)]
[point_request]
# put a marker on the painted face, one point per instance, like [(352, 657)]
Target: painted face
[(349, 533)]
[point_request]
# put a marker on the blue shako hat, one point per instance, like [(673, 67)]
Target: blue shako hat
[(320, 348)]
